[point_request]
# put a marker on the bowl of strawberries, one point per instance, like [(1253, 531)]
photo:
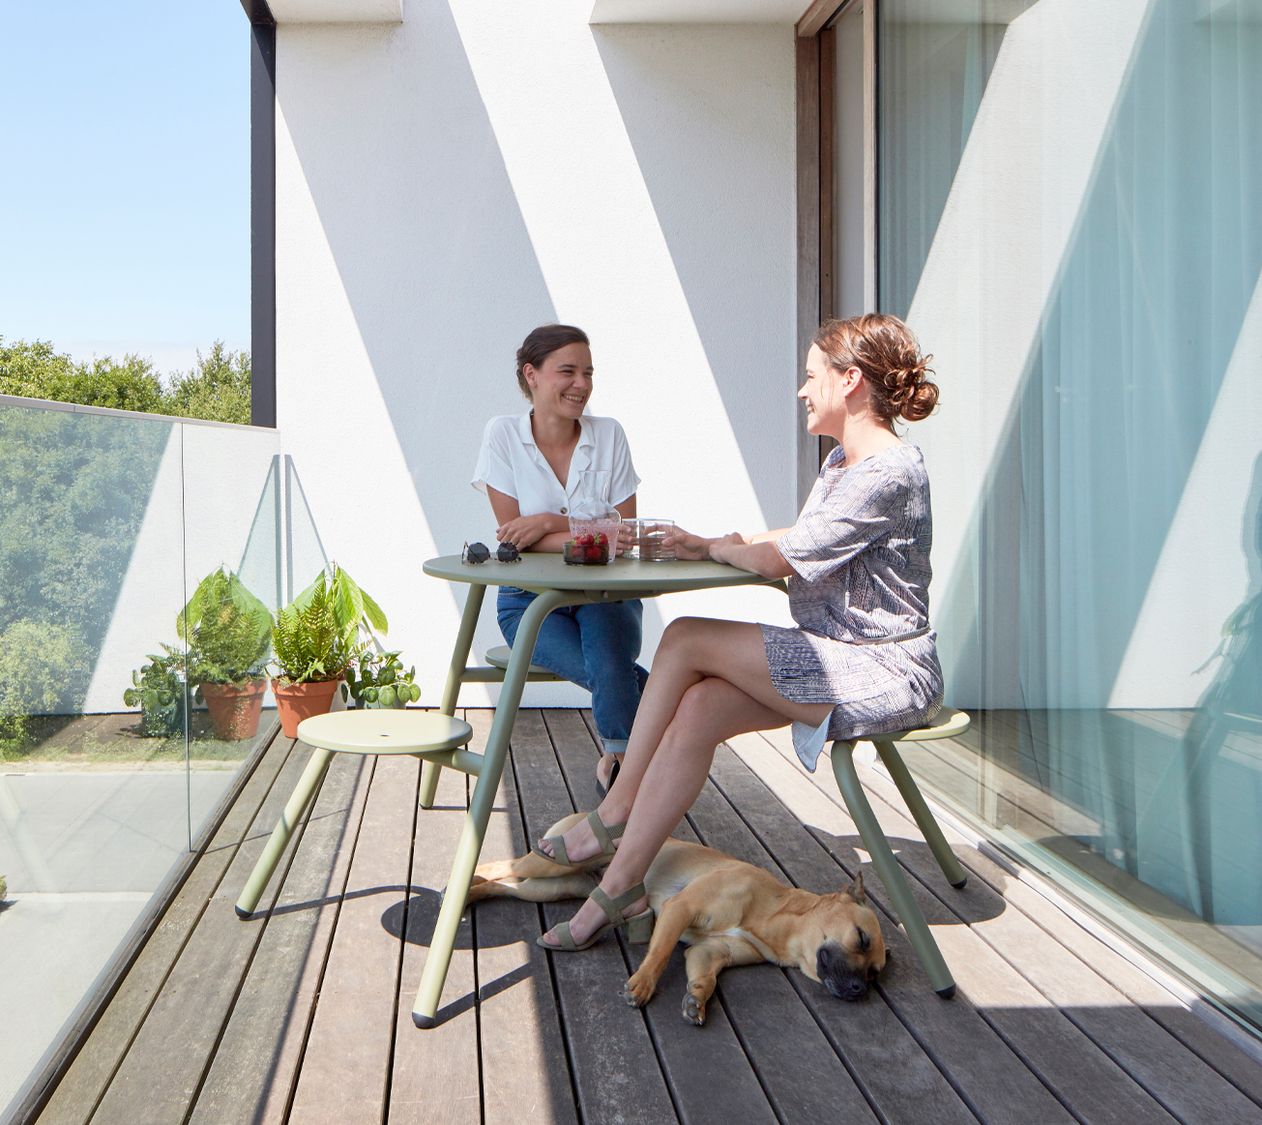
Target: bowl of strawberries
[(588, 549)]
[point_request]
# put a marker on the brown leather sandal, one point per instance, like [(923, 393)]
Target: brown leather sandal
[(639, 927)]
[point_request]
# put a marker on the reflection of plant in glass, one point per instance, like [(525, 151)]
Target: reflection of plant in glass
[(227, 629), (317, 636), (379, 680), (158, 690)]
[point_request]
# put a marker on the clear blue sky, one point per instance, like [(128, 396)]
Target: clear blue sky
[(125, 196)]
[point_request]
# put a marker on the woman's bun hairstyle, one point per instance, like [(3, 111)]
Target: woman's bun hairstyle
[(541, 343), (886, 353)]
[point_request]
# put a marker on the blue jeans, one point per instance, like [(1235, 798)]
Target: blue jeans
[(594, 646)]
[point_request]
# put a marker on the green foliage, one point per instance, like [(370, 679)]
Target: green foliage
[(351, 605), (160, 683), (227, 630), (35, 661), (217, 389), (159, 690), (379, 680), (312, 639)]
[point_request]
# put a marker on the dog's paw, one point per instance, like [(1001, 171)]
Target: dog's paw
[(693, 1010), (638, 991)]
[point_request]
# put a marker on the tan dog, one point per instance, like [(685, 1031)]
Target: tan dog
[(726, 911)]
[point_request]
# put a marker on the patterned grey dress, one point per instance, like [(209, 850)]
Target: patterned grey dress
[(860, 595)]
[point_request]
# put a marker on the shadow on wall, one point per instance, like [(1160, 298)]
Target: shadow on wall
[(426, 235), (708, 127)]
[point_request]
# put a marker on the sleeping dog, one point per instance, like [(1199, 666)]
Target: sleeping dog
[(727, 913)]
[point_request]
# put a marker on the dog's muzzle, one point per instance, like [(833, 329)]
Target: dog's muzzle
[(837, 975)]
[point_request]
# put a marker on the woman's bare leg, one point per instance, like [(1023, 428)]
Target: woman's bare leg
[(668, 776)]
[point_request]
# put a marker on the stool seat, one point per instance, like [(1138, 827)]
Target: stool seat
[(384, 731), (947, 723), (500, 655)]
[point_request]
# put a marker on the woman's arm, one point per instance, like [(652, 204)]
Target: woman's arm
[(757, 554), (760, 556), (546, 531)]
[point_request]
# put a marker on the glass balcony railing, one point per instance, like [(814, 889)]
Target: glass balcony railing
[(112, 767)]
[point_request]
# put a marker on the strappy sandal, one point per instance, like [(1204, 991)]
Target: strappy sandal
[(639, 927), (601, 787), (607, 836)]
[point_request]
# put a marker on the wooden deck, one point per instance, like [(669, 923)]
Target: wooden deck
[(304, 1014)]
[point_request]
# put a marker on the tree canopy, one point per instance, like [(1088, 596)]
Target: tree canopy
[(217, 389)]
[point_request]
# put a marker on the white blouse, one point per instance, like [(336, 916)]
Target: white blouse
[(510, 462)]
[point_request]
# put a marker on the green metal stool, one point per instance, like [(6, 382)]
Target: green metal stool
[(947, 724), (422, 734), (499, 656)]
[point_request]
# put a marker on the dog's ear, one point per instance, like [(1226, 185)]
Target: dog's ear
[(855, 890)]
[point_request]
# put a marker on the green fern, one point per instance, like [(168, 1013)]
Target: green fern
[(311, 640)]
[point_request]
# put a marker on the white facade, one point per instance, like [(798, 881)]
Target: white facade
[(448, 183)]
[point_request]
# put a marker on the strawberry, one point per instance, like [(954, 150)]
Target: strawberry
[(596, 554), (585, 540), (602, 540)]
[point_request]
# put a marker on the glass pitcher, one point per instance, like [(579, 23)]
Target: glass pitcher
[(591, 498)]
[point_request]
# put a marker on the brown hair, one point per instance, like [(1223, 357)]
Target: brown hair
[(541, 343), (884, 350)]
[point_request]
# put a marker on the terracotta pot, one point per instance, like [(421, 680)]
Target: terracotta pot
[(300, 701), (234, 708)]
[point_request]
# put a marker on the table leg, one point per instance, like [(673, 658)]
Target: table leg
[(303, 794), (434, 975), (455, 675)]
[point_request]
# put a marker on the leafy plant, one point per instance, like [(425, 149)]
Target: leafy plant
[(379, 680), (317, 636), (159, 690), (227, 629), (310, 641)]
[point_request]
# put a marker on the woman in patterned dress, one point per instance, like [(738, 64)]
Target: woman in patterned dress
[(861, 660)]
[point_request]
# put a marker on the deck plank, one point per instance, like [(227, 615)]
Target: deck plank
[(438, 1066), (256, 1064), (197, 996), (346, 1067), (689, 1057), (612, 1056), (525, 1074), (86, 1079)]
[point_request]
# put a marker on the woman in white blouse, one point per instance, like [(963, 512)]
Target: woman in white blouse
[(529, 467)]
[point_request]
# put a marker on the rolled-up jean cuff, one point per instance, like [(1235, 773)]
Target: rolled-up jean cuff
[(615, 746)]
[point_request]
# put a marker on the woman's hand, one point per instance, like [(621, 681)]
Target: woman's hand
[(687, 546), (717, 546), (525, 531)]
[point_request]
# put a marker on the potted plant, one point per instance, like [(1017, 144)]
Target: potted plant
[(228, 633), (316, 640), (378, 680), (160, 691)]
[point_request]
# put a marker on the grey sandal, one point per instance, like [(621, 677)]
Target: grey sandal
[(607, 836), (639, 926)]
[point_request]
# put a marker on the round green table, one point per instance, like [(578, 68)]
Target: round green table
[(556, 585)]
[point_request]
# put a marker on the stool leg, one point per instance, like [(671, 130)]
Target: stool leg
[(891, 874), (302, 796), (451, 690), (951, 867)]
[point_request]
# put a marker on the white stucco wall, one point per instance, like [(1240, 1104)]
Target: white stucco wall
[(445, 185)]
